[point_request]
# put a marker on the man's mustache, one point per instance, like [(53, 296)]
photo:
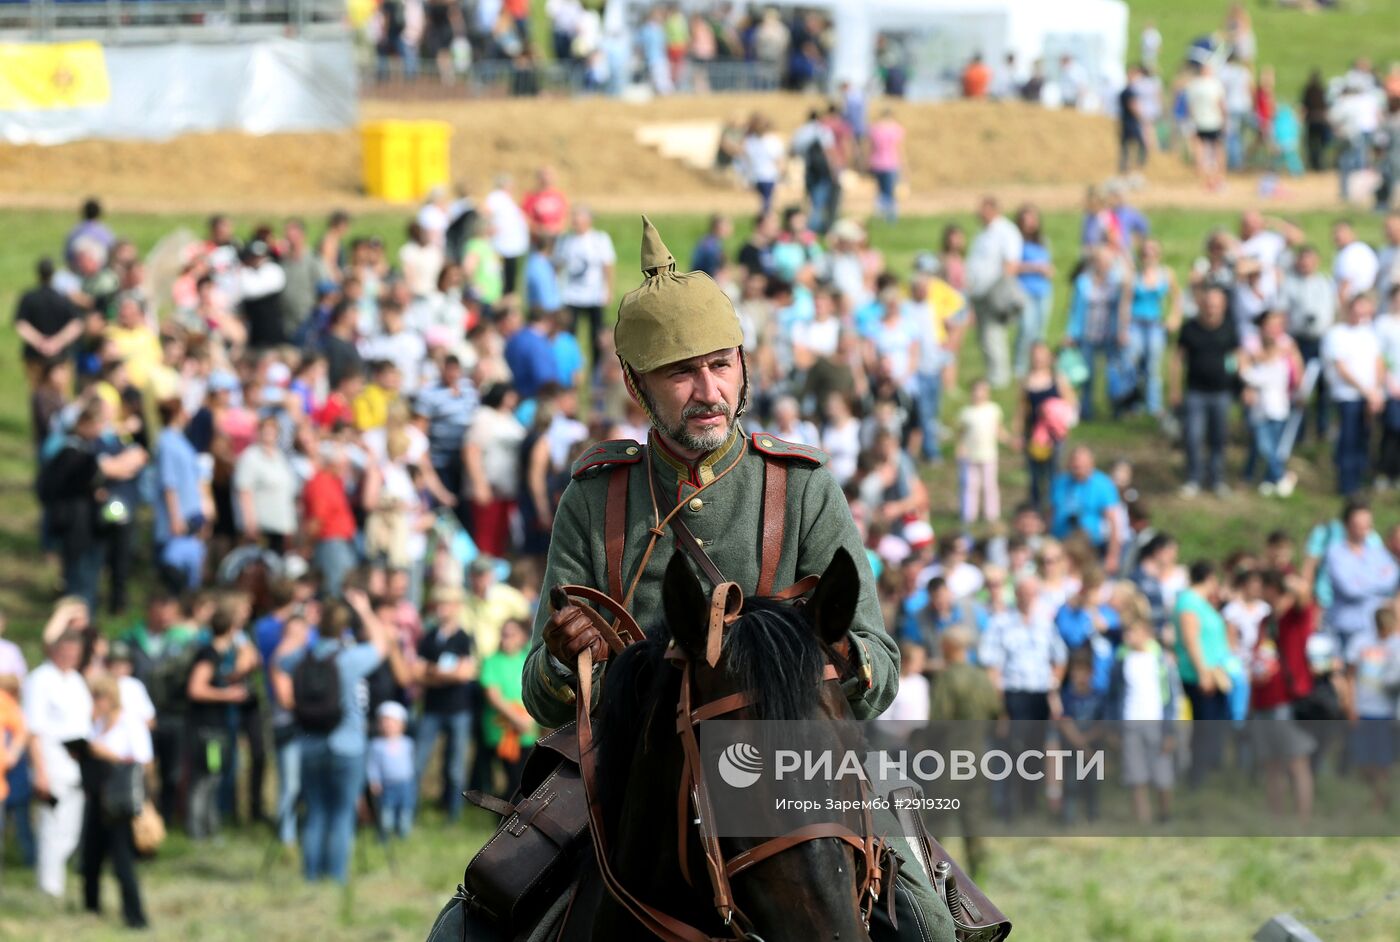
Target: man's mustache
[(705, 411)]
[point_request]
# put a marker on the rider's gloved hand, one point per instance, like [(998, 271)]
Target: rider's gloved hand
[(568, 632)]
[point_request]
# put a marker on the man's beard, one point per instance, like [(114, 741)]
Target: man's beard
[(707, 440)]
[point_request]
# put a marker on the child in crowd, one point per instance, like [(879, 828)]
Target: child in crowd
[(339, 407), (389, 771), (1373, 668), (1243, 614), (136, 701), (1143, 697), (507, 729), (1278, 553), (1081, 726), (981, 429), (911, 703), (371, 406), (1087, 624)]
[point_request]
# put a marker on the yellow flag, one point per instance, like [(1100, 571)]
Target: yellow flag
[(46, 76), (359, 12)]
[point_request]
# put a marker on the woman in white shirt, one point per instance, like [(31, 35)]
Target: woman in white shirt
[(763, 158), (841, 438), (119, 738), (396, 531), (1270, 373), (492, 454)]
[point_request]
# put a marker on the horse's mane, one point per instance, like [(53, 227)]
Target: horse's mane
[(771, 651)]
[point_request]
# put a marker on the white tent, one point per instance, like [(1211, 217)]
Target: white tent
[(939, 36)]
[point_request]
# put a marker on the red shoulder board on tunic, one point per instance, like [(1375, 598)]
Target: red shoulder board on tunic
[(774, 447), (615, 452)]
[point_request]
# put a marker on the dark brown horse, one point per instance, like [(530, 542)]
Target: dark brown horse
[(781, 656)]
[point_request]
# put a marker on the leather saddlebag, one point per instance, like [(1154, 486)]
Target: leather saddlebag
[(975, 918), (542, 836)]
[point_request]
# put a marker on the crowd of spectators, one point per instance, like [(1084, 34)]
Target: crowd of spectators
[(672, 48), (1221, 109), (828, 150), (339, 464)]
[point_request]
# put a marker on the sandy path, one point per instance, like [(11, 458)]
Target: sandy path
[(956, 150)]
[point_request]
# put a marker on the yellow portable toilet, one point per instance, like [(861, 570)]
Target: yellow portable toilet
[(431, 155), (389, 159)]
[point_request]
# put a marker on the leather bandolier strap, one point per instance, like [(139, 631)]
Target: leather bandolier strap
[(615, 527), (774, 521)]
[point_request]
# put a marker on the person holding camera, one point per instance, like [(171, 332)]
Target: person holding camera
[(74, 485), (119, 748), (217, 687), (325, 702)]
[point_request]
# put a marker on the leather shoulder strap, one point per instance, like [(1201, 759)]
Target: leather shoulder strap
[(615, 527), (775, 475)]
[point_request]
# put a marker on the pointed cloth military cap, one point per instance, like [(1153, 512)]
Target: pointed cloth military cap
[(672, 316)]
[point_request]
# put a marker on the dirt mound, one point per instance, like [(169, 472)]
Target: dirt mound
[(592, 142)]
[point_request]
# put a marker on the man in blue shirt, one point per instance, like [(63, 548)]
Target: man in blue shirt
[(541, 278), (568, 355), (1084, 622), (1322, 538), (530, 356), (333, 764), (449, 408), (179, 516), (1082, 500), (1026, 655), (1362, 574)]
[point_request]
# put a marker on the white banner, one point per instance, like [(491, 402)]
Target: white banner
[(160, 91)]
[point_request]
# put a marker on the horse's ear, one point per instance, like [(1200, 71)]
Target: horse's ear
[(833, 604), (684, 605)]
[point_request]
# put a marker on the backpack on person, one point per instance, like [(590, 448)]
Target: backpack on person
[(170, 678), (63, 510), (316, 693), (1321, 704)]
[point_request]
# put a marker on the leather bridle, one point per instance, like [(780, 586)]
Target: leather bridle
[(875, 860)]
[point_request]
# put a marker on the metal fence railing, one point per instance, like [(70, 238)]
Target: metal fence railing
[(501, 78), (136, 21)]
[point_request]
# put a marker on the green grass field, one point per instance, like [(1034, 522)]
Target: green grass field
[(1140, 889), (1292, 41)]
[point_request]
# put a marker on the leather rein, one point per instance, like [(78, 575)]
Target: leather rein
[(876, 862)]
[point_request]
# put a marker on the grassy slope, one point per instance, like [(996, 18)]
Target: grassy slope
[(1291, 41), (1129, 889)]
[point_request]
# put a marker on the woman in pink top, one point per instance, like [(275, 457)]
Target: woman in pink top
[(886, 159)]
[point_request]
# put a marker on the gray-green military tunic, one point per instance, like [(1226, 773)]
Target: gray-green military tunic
[(726, 518)]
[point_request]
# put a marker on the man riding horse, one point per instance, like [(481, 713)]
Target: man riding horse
[(752, 510)]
